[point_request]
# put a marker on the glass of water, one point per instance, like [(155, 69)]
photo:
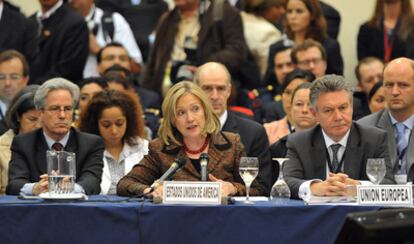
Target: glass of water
[(248, 169), (376, 170), (61, 170)]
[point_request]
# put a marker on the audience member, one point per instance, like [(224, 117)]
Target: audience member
[(191, 35), (104, 28), (368, 72), (215, 80), (310, 55), (117, 117), (265, 33), (282, 127), (17, 32), (398, 117), (88, 88), (56, 99), (304, 20), (328, 159), (387, 34), (301, 117), (63, 42), (376, 97), (188, 129), (22, 117), (14, 75)]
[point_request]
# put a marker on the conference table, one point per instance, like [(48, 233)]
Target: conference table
[(112, 219)]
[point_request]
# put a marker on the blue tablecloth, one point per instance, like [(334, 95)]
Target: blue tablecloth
[(122, 220)]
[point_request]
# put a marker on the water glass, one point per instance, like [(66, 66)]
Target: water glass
[(61, 170)]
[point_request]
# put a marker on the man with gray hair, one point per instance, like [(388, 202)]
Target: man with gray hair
[(327, 159), (56, 99)]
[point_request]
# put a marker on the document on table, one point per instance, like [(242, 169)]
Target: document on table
[(336, 200)]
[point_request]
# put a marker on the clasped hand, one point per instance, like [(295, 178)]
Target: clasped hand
[(335, 185)]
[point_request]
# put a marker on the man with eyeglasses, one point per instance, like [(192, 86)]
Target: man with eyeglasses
[(214, 78), (56, 99), (310, 55), (14, 75)]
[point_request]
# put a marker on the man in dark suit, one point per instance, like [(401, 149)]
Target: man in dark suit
[(63, 42), (17, 32), (215, 80), (56, 99), (399, 112), (327, 159)]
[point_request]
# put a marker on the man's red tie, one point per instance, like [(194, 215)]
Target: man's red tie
[(57, 146)]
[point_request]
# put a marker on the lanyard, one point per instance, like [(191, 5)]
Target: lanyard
[(328, 158), (388, 44)]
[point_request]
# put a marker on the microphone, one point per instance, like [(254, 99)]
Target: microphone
[(203, 164), (178, 164)]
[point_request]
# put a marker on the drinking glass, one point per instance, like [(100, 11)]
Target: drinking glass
[(61, 170), (248, 169), (376, 170), (280, 190)]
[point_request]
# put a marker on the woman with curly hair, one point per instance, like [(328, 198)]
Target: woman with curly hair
[(117, 117)]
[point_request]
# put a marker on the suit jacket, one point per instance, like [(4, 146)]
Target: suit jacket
[(224, 158), (371, 43), (28, 160), (209, 47), (18, 32), (307, 155), (254, 139), (382, 120), (64, 46)]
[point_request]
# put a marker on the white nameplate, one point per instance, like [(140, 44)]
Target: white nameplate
[(191, 192), (388, 195)]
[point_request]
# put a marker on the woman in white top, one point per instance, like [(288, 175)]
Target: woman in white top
[(118, 118)]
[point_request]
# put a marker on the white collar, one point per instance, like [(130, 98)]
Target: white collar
[(329, 141), (223, 118), (128, 150), (50, 141), (3, 107), (43, 16), (90, 15), (409, 123), (1, 9)]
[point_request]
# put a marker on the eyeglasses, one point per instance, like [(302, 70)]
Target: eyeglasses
[(12, 77), (307, 63), (58, 110)]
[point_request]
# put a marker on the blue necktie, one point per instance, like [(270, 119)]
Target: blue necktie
[(402, 143)]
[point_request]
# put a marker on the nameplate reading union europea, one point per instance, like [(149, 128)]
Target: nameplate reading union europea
[(388, 195), (192, 192)]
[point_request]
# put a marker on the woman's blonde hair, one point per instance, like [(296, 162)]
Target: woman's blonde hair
[(168, 132)]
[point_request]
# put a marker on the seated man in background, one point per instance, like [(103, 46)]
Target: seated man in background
[(327, 159), (368, 72), (215, 80), (104, 28), (56, 99), (14, 75), (63, 42)]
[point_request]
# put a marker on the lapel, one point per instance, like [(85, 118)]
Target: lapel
[(318, 155), (353, 154), (4, 27), (384, 122), (40, 154), (230, 124), (205, 25)]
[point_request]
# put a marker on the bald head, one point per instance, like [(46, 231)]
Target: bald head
[(399, 87), (215, 80)]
